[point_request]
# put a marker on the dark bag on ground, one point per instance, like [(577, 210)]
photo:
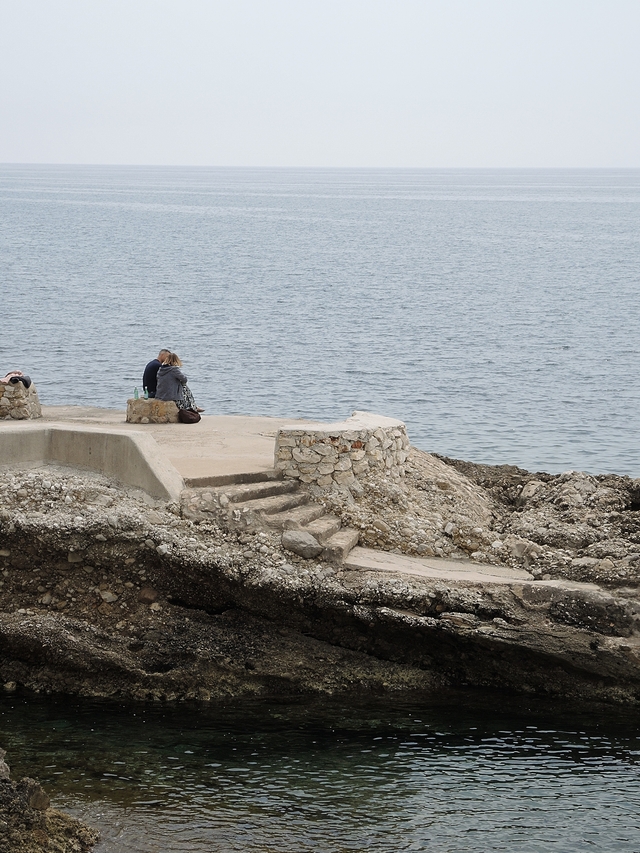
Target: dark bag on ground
[(188, 416)]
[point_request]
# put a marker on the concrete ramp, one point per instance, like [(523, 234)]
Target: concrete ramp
[(132, 458), (368, 559)]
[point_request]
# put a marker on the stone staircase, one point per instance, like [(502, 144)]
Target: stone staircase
[(264, 501)]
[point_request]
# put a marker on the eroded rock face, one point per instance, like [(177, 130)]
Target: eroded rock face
[(28, 823), (104, 593)]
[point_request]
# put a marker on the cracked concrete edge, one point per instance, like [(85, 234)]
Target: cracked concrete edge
[(132, 458)]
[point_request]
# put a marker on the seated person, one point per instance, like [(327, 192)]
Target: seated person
[(150, 376), (172, 384)]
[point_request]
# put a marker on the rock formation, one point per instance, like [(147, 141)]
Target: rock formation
[(105, 592), (29, 825)]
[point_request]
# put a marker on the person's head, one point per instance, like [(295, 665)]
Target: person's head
[(172, 360), (163, 354)]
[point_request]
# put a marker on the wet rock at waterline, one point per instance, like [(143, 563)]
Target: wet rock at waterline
[(29, 825)]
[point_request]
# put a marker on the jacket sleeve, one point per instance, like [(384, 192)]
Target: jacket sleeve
[(180, 376)]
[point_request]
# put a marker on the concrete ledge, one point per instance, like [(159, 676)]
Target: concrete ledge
[(152, 412), (132, 458)]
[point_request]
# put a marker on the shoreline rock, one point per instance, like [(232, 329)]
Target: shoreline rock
[(28, 824), (106, 592)]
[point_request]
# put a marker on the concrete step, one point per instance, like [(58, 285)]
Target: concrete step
[(233, 479), (276, 504), (256, 491), (324, 527), (301, 516), (338, 546)]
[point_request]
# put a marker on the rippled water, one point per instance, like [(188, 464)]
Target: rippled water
[(453, 775), (496, 312)]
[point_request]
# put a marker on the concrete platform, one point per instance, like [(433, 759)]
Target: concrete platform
[(217, 446)]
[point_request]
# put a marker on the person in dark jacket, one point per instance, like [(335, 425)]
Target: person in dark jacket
[(150, 375), (172, 384)]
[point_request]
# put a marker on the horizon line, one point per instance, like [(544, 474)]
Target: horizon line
[(317, 168)]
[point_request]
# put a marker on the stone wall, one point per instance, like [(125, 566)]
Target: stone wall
[(325, 454), (152, 412), (18, 402)]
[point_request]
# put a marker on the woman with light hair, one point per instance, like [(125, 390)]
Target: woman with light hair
[(172, 384)]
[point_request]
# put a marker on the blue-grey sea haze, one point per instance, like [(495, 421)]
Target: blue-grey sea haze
[(495, 311)]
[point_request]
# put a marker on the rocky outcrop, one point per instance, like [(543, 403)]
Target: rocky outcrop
[(106, 593), (28, 824)]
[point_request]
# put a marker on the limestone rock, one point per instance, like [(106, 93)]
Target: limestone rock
[(28, 824), (19, 403), (302, 543), (152, 411)]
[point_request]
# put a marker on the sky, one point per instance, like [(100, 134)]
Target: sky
[(329, 83)]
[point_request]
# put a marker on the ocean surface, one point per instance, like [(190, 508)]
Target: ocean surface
[(464, 774), (495, 312)]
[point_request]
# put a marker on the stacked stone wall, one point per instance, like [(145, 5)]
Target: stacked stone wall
[(18, 402), (324, 455)]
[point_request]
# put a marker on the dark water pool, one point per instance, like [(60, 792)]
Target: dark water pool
[(464, 773)]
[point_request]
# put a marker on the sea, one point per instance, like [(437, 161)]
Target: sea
[(495, 312), (459, 773)]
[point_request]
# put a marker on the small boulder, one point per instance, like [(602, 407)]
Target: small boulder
[(38, 799), (108, 596), (147, 595), (302, 543)]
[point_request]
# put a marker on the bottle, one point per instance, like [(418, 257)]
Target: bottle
[(136, 395), (146, 393)]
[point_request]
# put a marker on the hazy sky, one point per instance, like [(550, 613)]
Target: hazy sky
[(321, 82)]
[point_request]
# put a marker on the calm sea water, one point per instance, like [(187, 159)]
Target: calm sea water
[(496, 312), (457, 776)]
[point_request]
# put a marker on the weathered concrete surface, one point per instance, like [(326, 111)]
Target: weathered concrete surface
[(367, 559), (222, 444), (131, 458)]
